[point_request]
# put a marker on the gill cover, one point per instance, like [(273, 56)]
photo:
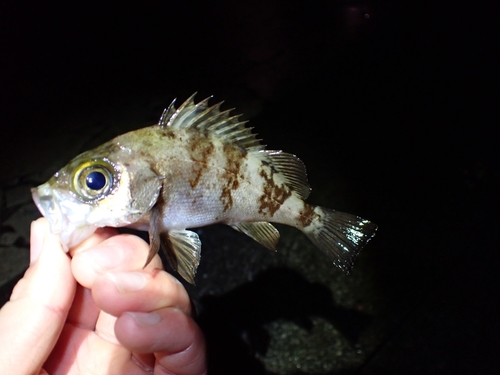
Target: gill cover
[(94, 191)]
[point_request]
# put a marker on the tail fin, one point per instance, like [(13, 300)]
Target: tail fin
[(341, 236)]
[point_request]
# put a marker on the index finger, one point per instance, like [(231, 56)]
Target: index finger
[(120, 253)]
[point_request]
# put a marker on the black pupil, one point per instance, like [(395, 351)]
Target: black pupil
[(96, 180)]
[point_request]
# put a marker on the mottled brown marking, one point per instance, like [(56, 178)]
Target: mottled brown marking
[(226, 198), (200, 150), (169, 133), (273, 195), (306, 215), (234, 157), (147, 144)]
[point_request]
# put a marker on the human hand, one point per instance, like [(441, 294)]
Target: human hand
[(119, 319)]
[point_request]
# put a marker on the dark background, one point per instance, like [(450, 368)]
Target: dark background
[(396, 100)]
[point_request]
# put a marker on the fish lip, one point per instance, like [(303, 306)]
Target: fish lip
[(48, 201), (48, 207)]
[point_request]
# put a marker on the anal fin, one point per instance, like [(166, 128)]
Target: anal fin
[(263, 232)]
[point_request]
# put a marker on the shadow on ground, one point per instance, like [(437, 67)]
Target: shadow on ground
[(235, 323)]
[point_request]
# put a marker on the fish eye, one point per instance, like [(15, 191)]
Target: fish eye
[(93, 180)]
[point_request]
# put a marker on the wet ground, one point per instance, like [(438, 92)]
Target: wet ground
[(388, 108)]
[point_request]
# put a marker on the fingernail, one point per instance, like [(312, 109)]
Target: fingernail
[(145, 319), (37, 239), (128, 282)]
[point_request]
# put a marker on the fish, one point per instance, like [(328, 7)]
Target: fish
[(199, 165)]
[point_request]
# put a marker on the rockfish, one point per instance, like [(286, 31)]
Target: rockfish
[(198, 166)]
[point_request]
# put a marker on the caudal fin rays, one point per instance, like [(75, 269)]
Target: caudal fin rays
[(341, 236)]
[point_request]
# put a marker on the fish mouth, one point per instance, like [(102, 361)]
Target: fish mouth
[(48, 207), (63, 218)]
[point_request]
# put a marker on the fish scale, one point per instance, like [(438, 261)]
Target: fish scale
[(198, 166)]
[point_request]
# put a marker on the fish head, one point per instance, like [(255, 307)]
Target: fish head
[(95, 191)]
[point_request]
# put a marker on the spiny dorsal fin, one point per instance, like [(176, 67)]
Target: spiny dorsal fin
[(290, 168), (212, 121), (167, 114)]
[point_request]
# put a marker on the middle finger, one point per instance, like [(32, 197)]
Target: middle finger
[(144, 290)]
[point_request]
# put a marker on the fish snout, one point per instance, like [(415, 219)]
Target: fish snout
[(48, 207), (64, 219)]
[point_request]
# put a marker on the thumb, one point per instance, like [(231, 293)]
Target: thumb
[(31, 322)]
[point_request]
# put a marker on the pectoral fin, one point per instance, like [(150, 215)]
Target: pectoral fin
[(186, 247), (262, 232), (181, 247)]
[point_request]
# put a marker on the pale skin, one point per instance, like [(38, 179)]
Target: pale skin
[(98, 312)]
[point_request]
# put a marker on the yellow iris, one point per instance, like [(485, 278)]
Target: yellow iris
[(94, 179)]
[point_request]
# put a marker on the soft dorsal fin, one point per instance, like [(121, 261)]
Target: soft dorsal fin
[(291, 169), (211, 121)]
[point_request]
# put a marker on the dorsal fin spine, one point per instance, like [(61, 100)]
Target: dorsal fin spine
[(236, 125), (167, 115), (223, 124), (212, 121), (198, 120), (206, 115)]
